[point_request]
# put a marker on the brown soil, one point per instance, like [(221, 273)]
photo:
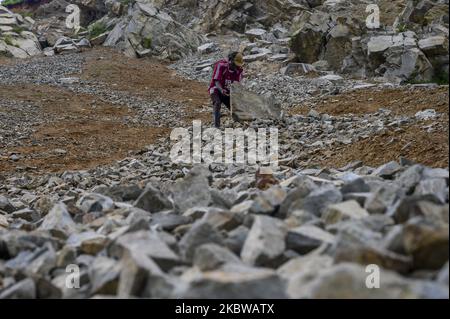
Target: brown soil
[(413, 143), (93, 132), (147, 78), (401, 101), (90, 131)]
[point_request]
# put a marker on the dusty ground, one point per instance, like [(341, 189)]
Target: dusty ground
[(92, 132), (412, 142), (147, 79), (400, 101)]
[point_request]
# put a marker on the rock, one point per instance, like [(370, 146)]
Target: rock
[(409, 178), (427, 114), (298, 69), (211, 256), (141, 277), (308, 40), (256, 57), (349, 281), (169, 222), (393, 240), (306, 238), (382, 198), (409, 64), (417, 205), (427, 243), (233, 281), (121, 193), (152, 200), (265, 243), (433, 186), (5, 205), (342, 211), (24, 289), (148, 28), (200, 233), (47, 290), (371, 254), (246, 105), (88, 242), (304, 187), (222, 220), (100, 39), (66, 81), (357, 185), (388, 170), (256, 33), (192, 191), (58, 222), (317, 201), (434, 45), (207, 48), (301, 271), (331, 77), (442, 277), (278, 57), (44, 260), (321, 65), (104, 276), (95, 203), (3, 222), (236, 239), (65, 44), (145, 243), (268, 201)]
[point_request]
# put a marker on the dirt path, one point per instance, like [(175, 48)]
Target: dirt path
[(147, 79), (413, 142)]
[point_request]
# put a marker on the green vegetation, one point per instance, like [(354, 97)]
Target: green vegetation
[(11, 2), (24, 13), (96, 29), (147, 43), (8, 40), (18, 30), (440, 78), (402, 27), (125, 2)]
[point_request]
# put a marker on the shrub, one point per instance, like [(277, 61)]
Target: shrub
[(147, 43), (8, 40), (18, 30), (440, 78), (96, 29), (402, 27)]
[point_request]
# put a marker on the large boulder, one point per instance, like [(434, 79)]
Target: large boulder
[(147, 30), (308, 41), (246, 105), (16, 40)]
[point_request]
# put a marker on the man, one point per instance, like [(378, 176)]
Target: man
[(225, 73)]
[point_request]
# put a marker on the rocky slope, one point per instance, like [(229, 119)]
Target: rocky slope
[(16, 40), (410, 43), (143, 226)]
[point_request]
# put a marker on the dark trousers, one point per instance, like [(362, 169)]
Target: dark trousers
[(218, 99)]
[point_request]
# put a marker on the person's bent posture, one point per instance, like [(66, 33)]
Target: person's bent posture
[(225, 73)]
